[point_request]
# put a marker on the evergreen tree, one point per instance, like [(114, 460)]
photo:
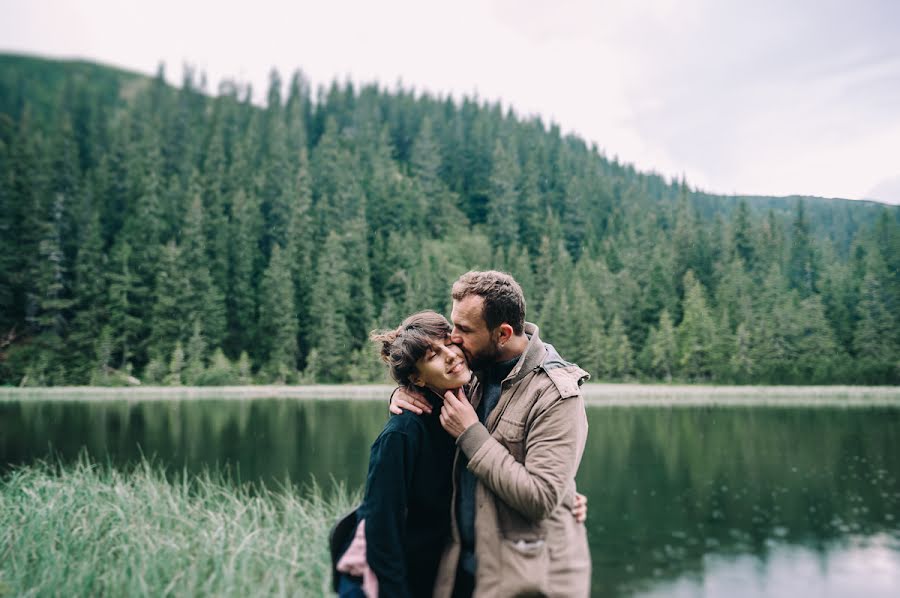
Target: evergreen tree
[(90, 302), (132, 224), (277, 317), (195, 356), (245, 224), (126, 295), (873, 337), (503, 220), (171, 315), (663, 347), (802, 270), (619, 354), (695, 334), (744, 245), (204, 303), (329, 305)]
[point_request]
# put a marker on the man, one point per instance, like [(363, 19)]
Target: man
[(519, 444)]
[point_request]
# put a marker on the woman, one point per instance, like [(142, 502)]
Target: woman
[(403, 522)]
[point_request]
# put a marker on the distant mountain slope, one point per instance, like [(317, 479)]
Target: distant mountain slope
[(188, 238)]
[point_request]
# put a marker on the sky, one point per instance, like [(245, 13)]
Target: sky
[(763, 98)]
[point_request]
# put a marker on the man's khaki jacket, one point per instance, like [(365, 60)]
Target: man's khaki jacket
[(525, 458)]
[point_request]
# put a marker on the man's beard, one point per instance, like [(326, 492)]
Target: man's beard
[(485, 358)]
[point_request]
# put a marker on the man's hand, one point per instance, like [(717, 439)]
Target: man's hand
[(579, 509), (457, 413), (405, 400)]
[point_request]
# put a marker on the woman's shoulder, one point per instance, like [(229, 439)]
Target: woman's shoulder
[(407, 423)]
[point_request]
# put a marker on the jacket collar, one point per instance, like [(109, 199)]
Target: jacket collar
[(532, 358)]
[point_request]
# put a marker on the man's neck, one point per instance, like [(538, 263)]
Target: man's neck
[(513, 349)]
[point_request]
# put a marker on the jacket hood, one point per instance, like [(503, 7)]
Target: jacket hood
[(539, 354)]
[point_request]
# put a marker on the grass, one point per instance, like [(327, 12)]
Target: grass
[(89, 530)]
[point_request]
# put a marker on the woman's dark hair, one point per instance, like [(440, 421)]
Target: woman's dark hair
[(402, 347)]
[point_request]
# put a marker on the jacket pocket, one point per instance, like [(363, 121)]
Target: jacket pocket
[(511, 434), (525, 566)]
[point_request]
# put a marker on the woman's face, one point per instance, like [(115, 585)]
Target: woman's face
[(443, 367)]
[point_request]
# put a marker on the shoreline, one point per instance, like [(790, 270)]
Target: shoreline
[(594, 394)]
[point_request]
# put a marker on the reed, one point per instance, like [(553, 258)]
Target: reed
[(92, 530)]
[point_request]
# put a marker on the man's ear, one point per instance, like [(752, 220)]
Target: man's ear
[(504, 332)]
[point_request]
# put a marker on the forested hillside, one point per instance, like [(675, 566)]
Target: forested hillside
[(184, 237)]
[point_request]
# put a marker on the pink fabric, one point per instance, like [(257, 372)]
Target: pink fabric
[(354, 562)]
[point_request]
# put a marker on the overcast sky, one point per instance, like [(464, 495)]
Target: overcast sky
[(757, 97)]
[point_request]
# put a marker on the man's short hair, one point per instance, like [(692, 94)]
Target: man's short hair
[(503, 297)]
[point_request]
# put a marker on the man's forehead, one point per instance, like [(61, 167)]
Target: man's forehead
[(469, 311)]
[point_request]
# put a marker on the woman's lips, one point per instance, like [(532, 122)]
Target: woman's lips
[(456, 369)]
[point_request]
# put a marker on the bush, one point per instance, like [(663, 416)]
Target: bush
[(219, 373)]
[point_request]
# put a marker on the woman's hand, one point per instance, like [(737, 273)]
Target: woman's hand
[(457, 414), (579, 509), (404, 400)]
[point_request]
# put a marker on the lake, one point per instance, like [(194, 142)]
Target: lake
[(685, 500)]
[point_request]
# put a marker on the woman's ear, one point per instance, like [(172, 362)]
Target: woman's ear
[(415, 379)]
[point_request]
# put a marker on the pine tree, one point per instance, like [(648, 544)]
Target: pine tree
[(90, 300), (587, 339), (126, 294), (171, 315), (204, 303), (872, 337), (741, 361), (503, 220), (619, 354), (695, 333), (744, 244), (244, 227), (49, 298), (361, 318), (438, 205), (663, 347), (195, 356), (330, 303), (176, 366), (802, 269), (277, 317)]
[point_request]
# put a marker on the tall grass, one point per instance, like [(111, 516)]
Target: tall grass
[(89, 530)]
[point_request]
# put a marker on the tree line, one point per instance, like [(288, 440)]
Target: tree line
[(180, 237)]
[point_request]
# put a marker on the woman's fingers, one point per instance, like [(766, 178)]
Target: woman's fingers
[(579, 510)]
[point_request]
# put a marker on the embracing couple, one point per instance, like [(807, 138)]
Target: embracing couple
[(471, 487)]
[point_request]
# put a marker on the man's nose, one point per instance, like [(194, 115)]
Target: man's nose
[(455, 338)]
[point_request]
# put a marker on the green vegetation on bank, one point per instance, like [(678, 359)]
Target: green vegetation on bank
[(162, 234), (89, 530)]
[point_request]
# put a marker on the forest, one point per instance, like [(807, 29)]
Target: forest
[(178, 236)]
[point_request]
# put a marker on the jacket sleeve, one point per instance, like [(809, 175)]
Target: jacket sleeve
[(553, 448), (387, 490)]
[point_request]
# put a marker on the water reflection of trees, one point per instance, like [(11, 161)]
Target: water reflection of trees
[(270, 440), (668, 486)]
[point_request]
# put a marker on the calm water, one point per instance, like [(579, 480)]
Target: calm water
[(687, 501)]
